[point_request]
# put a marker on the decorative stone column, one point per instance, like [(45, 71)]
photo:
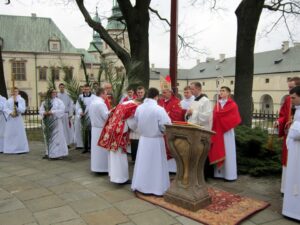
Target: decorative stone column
[(189, 146)]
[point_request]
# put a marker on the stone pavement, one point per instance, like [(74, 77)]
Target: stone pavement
[(64, 192)]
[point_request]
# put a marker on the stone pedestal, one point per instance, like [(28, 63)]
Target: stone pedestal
[(189, 146)]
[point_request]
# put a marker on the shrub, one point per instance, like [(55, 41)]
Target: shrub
[(253, 154)]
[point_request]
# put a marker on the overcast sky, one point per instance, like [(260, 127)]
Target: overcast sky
[(210, 31)]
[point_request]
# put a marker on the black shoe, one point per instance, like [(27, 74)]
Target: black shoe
[(84, 151), (45, 157), (127, 182)]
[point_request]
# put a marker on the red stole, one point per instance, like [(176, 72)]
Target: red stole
[(175, 112), (112, 136), (224, 119), (284, 117), (107, 103)]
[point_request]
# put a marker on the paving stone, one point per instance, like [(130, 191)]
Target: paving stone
[(77, 195), (31, 224), (171, 213), (283, 221), (5, 194), (59, 170), (153, 217), (56, 215), (17, 217), (71, 222), (117, 195), (21, 187), (40, 204), (248, 222), (89, 205), (24, 172), (52, 181), (72, 174), (110, 216), (35, 177), (86, 180), (133, 206), (129, 223), (6, 181), (5, 174), (66, 187), (10, 204), (32, 193), (186, 221), (265, 216)]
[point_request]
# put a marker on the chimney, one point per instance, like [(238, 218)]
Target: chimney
[(198, 62), (33, 15), (222, 58), (296, 44), (285, 46), (209, 59), (152, 66)]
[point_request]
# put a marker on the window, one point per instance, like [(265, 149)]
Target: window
[(68, 72), (19, 70), (267, 80), (55, 73), (203, 83), (288, 79), (54, 45), (43, 73), (231, 82)]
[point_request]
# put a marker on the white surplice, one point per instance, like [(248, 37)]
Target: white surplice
[(2, 122), (186, 102), (202, 113), (98, 113), (15, 139), (67, 123), (118, 162), (229, 169), (291, 200), (151, 173), (78, 110), (58, 146)]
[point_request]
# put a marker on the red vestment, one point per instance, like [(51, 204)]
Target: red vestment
[(112, 136), (107, 103), (175, 112), (224, 119), (284, 120), (127, 98)]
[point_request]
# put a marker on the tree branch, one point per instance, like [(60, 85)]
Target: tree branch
[(120, 52)]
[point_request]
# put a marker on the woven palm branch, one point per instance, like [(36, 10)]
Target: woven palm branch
[(86, 75), (72, 86), (84, 120), (51, 82), (48, 124)]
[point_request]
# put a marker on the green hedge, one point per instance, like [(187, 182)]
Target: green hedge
[(253, 154)]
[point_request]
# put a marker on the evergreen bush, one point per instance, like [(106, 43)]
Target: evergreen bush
[(254, 156)]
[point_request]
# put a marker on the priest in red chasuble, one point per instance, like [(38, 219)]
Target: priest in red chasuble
[(173, 108), (283, 123), (223, 150), (115, 138)]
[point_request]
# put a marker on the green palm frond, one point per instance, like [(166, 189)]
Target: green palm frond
[(51, 82), (72, 86), (86, 75), (84, 120), (48, 124)]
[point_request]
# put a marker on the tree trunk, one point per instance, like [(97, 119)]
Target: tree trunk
[(137, 20), (3, 90), (138, 32), (248, 15)]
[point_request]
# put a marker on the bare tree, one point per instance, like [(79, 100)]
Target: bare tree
[(248, 15), (136, 19)]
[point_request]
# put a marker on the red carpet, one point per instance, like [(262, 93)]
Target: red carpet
[(226, 208)]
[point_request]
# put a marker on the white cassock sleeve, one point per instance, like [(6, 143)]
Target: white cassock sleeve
[(204, 112), (42, 110), (132, 124), (163, 120), (21, 105), (2, 103), (294, 131), (59, 109)]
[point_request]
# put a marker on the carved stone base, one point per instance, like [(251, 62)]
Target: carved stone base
[(189, 146), (187, 203)]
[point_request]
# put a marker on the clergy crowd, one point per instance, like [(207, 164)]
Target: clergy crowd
[(136, 126)]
